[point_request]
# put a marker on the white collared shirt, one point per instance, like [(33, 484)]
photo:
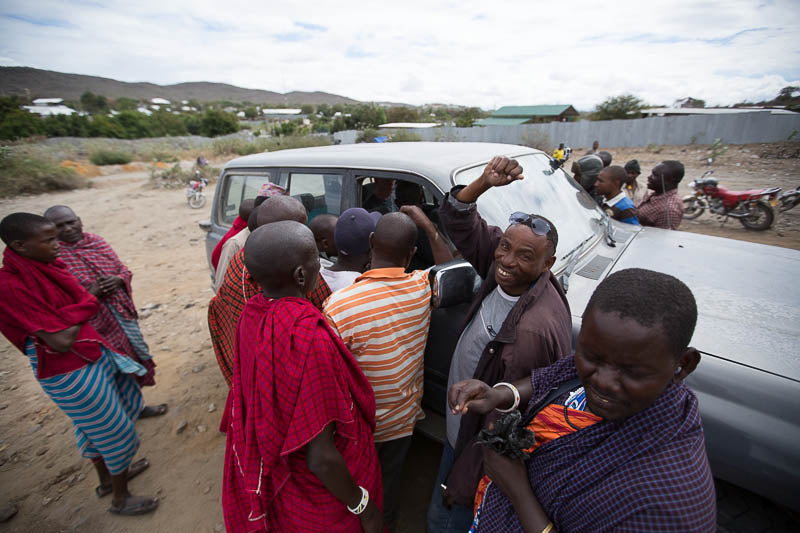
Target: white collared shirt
[(616, 199)]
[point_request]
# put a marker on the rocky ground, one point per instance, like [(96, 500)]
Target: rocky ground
[(156, 235)]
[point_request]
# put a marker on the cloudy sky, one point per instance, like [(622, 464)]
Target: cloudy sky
[(483, 53)]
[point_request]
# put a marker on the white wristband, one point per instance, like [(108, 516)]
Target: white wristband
[(516, 396), (362, 504)]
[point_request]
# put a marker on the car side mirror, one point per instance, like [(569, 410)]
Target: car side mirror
[(205, 225), (453, 283)]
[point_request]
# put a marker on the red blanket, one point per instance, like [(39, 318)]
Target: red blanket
[(238, 225), (36, 296), (293, 377)]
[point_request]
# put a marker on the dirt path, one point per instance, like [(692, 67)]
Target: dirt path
[(156, 235)]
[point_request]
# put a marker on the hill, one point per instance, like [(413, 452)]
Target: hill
[(35, 83)]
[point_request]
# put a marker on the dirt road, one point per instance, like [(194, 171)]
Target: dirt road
[(156, 235)]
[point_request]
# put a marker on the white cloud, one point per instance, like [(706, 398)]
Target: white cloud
[(424, 51)]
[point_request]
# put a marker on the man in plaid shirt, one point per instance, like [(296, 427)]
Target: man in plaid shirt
[(238, 286), (663, 208)]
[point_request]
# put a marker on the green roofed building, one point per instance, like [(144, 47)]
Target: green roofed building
[(514, 115)]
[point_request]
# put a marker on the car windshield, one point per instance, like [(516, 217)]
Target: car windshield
[(552, 194)]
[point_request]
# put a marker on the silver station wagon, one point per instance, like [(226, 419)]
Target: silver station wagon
[(748, 330)]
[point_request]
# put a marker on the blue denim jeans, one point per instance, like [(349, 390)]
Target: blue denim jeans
[(441, 517)]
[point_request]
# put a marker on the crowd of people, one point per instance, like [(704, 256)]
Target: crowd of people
[(319, 329), (616, 190)]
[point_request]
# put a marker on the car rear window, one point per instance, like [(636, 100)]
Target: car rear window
[(237, 188)]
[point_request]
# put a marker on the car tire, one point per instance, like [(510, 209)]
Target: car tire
[(742, 511)]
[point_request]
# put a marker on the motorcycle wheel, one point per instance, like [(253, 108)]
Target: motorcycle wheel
[(760, 218), (692, 208), (197, 200)]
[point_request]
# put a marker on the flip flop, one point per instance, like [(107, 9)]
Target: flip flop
[(144, 506), (154, 410), (134, 470)]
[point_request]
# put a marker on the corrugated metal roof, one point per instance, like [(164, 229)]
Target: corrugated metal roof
[(712, 111), (532, 110), (410, 125), (494, 121)]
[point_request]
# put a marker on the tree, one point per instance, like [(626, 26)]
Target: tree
[(307, 109), (402, 114), (467, 117), (250, 112), (126, 104), (623, 106), (94, 103), (215, 122), (325, 110)]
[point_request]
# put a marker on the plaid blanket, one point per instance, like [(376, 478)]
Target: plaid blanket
[(293, 376), (646, 473), (89, 259)]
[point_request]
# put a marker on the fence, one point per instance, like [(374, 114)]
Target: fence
[(740, 128)]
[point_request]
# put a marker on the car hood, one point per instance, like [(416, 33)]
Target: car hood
[(748, 295)]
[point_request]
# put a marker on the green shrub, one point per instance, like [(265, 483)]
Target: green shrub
[(110, 157), (653, 148), (163, 157), (240, 146), (28, 173), (367, 136), (717, 149), (404, 137)]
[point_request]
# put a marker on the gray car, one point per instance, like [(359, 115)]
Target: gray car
[(748, 330)]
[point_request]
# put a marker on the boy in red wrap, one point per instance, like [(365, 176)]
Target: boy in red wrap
[(300, 414), (45, 313)]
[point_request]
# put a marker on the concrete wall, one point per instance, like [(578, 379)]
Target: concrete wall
[(740, 128)]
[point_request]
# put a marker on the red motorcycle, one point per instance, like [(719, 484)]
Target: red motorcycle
[(752, 208)]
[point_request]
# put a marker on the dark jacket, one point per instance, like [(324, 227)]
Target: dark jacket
[(536, 333)]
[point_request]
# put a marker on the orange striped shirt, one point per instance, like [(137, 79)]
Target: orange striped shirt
[(383, 318)]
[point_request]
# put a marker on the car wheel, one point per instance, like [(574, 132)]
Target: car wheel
[(742, 511)]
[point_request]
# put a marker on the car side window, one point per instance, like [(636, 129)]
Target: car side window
[(237, 188), (319, 193)]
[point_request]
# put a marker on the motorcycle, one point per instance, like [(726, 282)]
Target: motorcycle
[(194, 192), (789, 199), (753, 208)]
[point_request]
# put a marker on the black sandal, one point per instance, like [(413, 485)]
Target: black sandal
[(134, 470), (147, 505), (154, 410)]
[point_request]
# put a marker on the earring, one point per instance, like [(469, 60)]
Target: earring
[(678, 370)]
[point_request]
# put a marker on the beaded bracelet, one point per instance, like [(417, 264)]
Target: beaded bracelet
[(362, 504), (516, 396)]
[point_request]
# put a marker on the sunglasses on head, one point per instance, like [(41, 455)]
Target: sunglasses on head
[(537, 224)]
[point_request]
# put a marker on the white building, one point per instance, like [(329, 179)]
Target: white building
[(49, 110), (47, 101), (143, 109), (159, 101)]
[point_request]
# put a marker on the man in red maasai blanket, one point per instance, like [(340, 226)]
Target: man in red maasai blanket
[(238, 286), (239, 223), (45, 313), (96, 266), (300, 414)]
